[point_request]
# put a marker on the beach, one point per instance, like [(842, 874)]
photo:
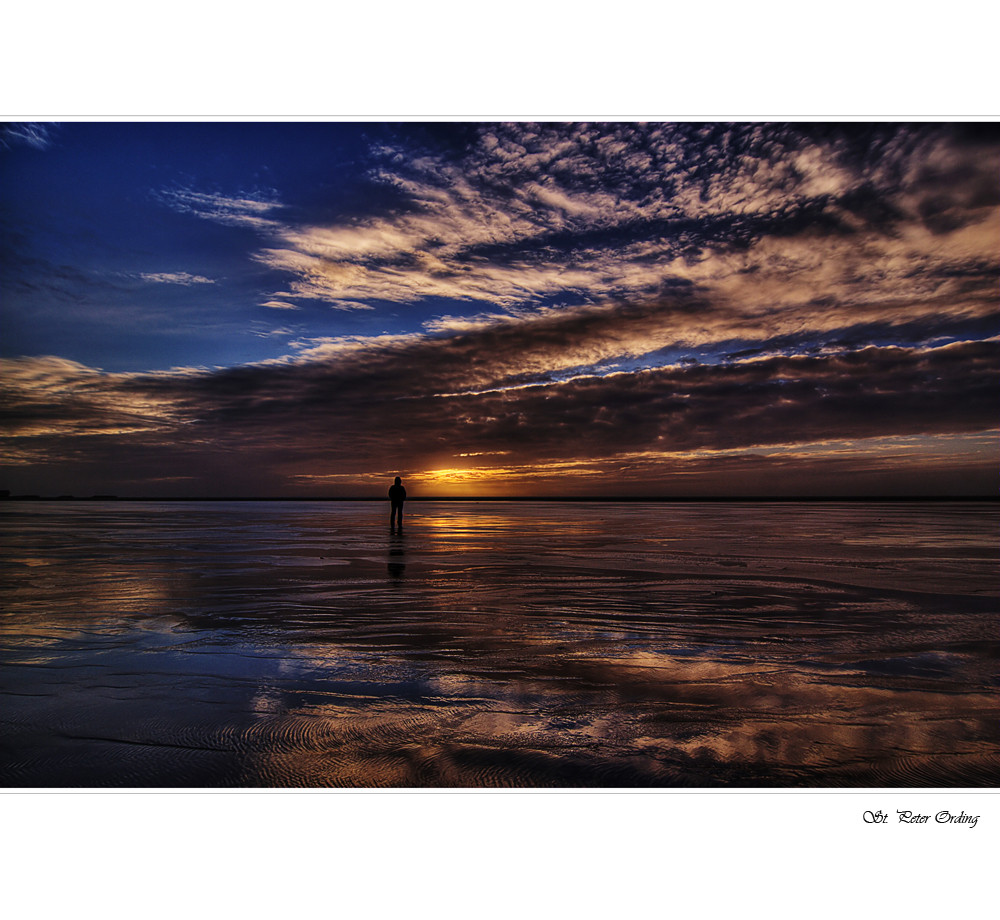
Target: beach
[(499, 644)]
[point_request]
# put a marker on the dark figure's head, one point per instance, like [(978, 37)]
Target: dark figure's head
[(399, 481)]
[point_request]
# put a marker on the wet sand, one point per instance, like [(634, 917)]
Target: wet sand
[(260, 644)]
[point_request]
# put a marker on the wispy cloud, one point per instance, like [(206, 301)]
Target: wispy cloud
[(34, 134), (175, 278), (248, 210)]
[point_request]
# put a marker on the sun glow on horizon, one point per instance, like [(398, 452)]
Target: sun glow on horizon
[(844, 464)]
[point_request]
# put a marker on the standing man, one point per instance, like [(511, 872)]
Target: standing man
[(397, 495)]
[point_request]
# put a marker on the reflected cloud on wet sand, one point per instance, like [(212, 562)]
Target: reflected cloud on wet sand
[(507, 644)]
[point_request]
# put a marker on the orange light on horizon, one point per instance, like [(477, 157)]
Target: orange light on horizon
[(483, 481), (840, 463)]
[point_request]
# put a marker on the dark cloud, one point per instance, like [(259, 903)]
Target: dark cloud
[(368, 413)]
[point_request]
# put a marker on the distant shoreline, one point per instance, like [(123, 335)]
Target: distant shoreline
[(624, 499)]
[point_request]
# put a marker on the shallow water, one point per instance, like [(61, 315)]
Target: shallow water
[(498, 644)]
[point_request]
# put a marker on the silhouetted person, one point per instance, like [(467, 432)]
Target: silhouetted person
[(397, 495)]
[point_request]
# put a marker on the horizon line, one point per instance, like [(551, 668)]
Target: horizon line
[(511, 498)]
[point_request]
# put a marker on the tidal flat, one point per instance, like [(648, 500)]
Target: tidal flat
[(499, 644)]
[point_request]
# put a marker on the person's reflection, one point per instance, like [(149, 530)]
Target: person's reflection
[(397, 553)]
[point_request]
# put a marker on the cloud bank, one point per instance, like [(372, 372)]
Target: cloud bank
[(356, 411)]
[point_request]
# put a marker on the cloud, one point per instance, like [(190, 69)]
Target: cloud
[(33, 134), (780, 227), (282, 331), (175, 278), (280, 305), (354, 408), (52, 397), (248, 210)]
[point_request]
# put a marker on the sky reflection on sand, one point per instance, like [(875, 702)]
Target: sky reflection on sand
[(597, 645)]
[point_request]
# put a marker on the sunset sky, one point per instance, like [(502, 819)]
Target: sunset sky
[(666, 309)]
